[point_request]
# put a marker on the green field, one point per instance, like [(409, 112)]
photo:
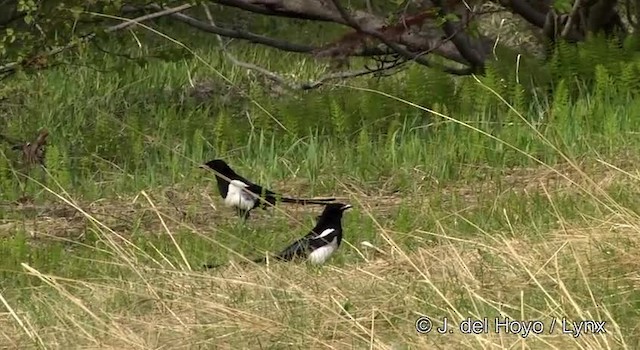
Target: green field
[(483, 197)]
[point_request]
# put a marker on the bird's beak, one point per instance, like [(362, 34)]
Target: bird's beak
[(346, 206)]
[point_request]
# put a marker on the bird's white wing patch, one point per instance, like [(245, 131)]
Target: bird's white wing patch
[(325, 233), (238, 183), (237, 197), (320, 255)]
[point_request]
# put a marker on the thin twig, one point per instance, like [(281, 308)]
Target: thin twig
[(349, 74), (320, 81), (395, 47), (239, 34), (293, 85), (572, 15)]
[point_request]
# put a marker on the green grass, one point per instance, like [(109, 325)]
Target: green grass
[(475, 210)]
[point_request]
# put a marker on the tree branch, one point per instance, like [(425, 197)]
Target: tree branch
[(460, 39), (319, 11), (313, 84), (280, 8), (238, 34), (524, 9), (397, 48), (295, 85), (11, 67)]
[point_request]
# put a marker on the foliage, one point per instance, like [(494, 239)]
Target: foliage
[(34, 26)]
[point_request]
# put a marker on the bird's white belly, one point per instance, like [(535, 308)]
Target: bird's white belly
[(323, 253), (236, 197)]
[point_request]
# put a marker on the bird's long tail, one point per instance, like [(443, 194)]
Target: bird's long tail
[(212, 266), (261, 260), (304, 201)]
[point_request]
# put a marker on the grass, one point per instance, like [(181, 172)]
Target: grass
[(474, 209)]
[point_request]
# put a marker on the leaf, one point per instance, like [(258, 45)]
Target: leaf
[(452, 17), (76, 12), (449, 17), (562, 6)]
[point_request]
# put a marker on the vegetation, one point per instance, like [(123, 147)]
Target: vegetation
[(458, 37), (506, 194)]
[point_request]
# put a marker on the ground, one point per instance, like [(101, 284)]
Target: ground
[(429, 253)]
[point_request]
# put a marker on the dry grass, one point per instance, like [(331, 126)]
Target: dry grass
[(579, 271), (371, 304)]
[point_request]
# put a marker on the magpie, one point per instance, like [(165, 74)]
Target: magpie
[(244, 195), (319, 244)]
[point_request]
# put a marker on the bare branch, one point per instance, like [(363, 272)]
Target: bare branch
[(304, 9), (294, 85), (301, 9), (320, 81), (361, 21), (348, 74), (238, 34), (397, 48)]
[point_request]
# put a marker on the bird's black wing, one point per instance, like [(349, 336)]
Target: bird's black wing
[(253, 189), (212, 266), (298, 248), (224, 182), (316, 241), (223, 186), (271, 197), (266, 194)]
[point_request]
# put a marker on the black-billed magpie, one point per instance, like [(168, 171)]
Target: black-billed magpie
[(243, 194), (323, 240), (319, 244)]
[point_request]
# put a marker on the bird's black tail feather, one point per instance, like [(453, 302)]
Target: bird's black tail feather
[(260, 260), (303, 201), (212, 266)]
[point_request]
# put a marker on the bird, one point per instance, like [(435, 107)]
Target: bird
[(319, 244), (243, 195), (33, 153)]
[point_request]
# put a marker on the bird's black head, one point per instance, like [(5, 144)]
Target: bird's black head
[(219, 166), (334, 210), (223, 174)]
